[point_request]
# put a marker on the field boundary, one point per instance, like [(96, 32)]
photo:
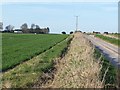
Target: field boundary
[(49, 74)]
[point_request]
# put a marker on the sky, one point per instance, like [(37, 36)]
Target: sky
[(61, 16)]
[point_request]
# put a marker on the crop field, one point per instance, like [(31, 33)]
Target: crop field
[(109, 39), (27, 73), (17, 48)]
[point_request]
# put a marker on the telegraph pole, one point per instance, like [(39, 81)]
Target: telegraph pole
[(76, 23)]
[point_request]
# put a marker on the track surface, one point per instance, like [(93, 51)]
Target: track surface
[(110, 51)]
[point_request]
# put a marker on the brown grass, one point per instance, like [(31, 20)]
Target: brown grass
[(118, 78), (78, 69)]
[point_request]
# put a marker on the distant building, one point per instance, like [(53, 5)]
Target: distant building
[(18, 31)]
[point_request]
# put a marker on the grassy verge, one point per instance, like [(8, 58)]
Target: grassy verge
[(116, 35), (118, 77), (108, 39), (28, 73), (108, 71)]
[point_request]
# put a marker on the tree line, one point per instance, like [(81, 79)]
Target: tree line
[(24, 28)]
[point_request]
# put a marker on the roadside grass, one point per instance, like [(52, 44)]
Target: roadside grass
[(108, 39), (27, 73), (116, 35), (108, 71), (118, 77), (78, 68), (17, 48)]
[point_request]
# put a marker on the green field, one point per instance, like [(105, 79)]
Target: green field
[(17, 48), (109, 39), (27, 73)]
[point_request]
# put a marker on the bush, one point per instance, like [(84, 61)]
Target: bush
[(71, 32), (63, 32)]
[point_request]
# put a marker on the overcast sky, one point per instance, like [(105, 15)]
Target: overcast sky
[(60, 16)]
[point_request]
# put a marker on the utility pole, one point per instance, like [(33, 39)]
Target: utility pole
[(76, 23)]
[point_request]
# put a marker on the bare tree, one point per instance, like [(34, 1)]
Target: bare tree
[(48, 29), (37, 27), (9, 28), (33, 26), (24, 26), (1, 25)]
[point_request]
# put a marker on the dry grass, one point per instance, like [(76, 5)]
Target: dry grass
[(78, 69), (112, 36), (118, 78)]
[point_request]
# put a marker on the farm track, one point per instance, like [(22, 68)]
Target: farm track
[(3, 71), (109, 50), (77, 69)]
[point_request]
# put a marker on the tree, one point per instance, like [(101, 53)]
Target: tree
[(45, 30), (37, 27), (1, 25), (24, 26), (33, 26), (48, 29), (71, 32), (63, 32), (9, 28)]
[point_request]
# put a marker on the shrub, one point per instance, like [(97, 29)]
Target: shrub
[(71, 32), (63, 32)]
